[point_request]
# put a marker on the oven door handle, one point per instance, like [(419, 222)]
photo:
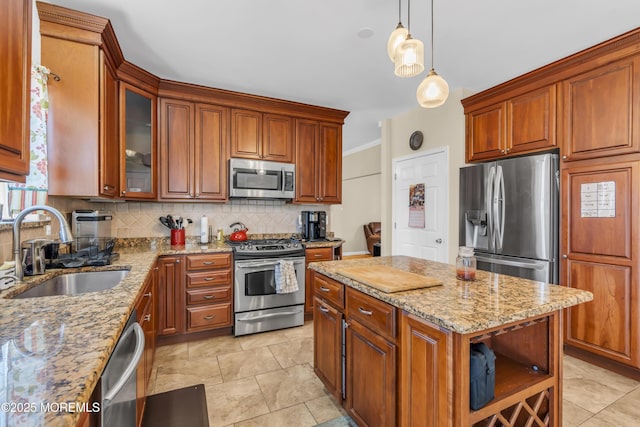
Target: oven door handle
[(249, 264), (133, 364), (268, 316)]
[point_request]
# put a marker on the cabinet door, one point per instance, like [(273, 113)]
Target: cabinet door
[(176, 149), (211, 140), (531, 121), (138, 177), (600, 114), (146, 318), (329, 160), (486, 133), (423, 390), (371, 377), (171, 305), (246, 134), (307, 137), (15, 92), (277, 138), (311, 255), (600, 244), (109, 144), (327, 342)]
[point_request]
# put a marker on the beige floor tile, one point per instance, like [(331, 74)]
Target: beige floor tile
[(294, 416), (264, 339), (234, 401), (290, 386), (573, 415), (305, 331), (324, 409), (213, 347), (294, 352), (168, 353), (623, 413), (182, 373), (575, 368), (589, 394), (248, 363)]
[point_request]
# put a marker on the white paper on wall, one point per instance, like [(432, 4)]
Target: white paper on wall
[(416, 206)]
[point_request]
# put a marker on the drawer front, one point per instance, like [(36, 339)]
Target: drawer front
[(211, 295), (328, 289), (207, 261), (208, 278), (373, 313), (208, 317), (319, 254)]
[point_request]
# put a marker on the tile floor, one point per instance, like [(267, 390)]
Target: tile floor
[(267, 380)]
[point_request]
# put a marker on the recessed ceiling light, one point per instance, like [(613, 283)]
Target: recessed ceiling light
[(365, 33)]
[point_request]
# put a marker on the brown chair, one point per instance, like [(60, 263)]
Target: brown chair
[(372, 234)]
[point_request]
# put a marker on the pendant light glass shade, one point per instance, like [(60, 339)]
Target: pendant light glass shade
[(397, 36), (409, 58), (433, 91)]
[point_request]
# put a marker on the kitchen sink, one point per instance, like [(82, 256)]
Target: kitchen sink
[(76, 284)]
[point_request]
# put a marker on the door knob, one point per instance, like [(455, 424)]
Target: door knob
[(438, 241)]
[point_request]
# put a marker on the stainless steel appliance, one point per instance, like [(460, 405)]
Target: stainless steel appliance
[(314, 225), (259, 179), (33, 256), (257, 306), (118, 382), (509, 214)]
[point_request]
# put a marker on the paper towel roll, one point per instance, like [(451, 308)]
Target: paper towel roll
[(204, 229)]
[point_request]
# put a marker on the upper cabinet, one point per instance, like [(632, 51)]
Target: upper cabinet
[(600, 111), (256, 135), (83, 105), (319, 160), (521, 124), (15, 84)]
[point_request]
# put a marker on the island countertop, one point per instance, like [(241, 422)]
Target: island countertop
[(465, 307), (55, 348)]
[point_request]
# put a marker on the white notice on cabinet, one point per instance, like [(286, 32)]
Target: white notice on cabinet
[(598, 200)]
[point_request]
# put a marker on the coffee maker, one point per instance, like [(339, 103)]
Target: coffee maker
[(314, 225)]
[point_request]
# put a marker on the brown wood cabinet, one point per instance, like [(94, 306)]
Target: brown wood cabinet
[(208, 291), (146, 317), (15, 89), (319, 162), (327, 340), (600, 114), (522, 124), (600, 250), (83, 106), (311, 255), (171, 303), (193, 150), (256, 135)]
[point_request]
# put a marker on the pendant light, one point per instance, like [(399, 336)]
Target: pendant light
[(434, 90), (409, 58), (397, 36)]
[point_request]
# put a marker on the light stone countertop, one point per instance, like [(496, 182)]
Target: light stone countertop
[(464, 307), (54, 349)]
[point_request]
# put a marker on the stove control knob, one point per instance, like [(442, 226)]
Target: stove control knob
[(242, 245), (295, 245), (249, 245), (288, 245)]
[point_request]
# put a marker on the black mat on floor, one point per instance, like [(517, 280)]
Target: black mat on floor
[(177, 408)]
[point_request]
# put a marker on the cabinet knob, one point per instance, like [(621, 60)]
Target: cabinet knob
[(123, 192), (508, 150), (564, 157), (156, 268), (564, 256), (177, 261), (502, 151)]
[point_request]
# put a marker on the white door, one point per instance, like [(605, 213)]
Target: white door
[(428, 242)]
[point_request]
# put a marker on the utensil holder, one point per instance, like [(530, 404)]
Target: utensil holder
[(177, 237)]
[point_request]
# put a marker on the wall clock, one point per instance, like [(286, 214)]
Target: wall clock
[(415, 141)]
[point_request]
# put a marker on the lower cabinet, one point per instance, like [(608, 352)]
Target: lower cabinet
[(146, 317), (327, 359), (170, 295), (312, 255)]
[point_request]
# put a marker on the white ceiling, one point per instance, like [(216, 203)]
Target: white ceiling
[(309, 51)]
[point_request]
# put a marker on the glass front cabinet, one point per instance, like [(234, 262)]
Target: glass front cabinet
[(138, 177)]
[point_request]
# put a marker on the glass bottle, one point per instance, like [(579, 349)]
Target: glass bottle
[(466, 263)]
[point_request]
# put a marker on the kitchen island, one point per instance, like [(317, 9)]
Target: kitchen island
[(402, 358)]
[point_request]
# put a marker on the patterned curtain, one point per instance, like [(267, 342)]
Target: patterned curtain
[(34, 190)]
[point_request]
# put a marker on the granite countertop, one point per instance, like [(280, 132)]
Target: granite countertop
[(54, 349), (461, 306), (335, 242)]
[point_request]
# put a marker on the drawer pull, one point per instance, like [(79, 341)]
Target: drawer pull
[(324, 309), (317, 255), (147, 295), (323, 289), (208, 279), (209, 317), (146, 318), (208, 263), (365, 312), (208, 297)]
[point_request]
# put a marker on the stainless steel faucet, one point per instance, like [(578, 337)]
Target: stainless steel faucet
[(65, 232)]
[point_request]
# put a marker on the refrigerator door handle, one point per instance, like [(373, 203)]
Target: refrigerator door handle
[(499, 206), (521, 264), (490, 212)]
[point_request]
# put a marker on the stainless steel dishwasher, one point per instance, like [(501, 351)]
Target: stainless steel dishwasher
[(118, 406)]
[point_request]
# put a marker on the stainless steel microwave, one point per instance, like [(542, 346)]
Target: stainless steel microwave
[(258, 179)]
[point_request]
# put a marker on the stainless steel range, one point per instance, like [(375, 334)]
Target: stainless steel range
[(257, 305)]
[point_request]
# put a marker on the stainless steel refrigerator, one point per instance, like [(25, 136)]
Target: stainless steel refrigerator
[(509, 214)]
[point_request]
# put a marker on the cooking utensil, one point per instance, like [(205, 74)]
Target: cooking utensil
[(164, 221), (172, 222), (239, 234)]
